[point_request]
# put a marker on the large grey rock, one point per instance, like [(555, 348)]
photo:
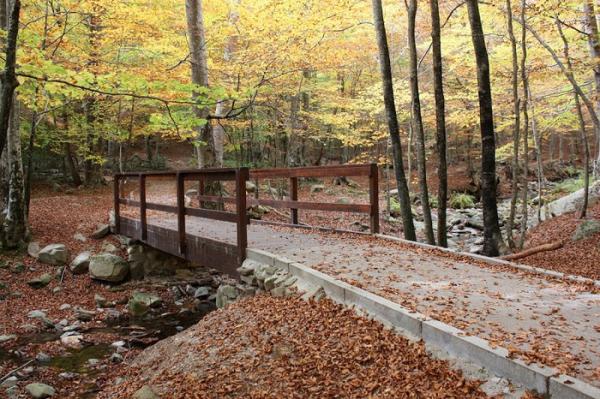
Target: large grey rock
[(81, 263), (586, 229), (570, 203), (226, 294), (145, 392), (101, 231), (54, 254), (108, 267), (40, 391)]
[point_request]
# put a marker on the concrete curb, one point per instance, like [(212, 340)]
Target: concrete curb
[(495, 261), (544, 380)]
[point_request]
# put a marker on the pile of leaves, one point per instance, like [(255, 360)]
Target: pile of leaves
[(265, 347)]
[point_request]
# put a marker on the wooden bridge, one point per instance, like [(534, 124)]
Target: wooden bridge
[(213, 230)]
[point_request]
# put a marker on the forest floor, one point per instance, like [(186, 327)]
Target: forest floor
[(58, 217)]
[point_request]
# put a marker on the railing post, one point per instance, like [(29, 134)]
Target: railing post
[(143, 219), (374, 197), (117, 205), (181, 213), (294, 197), (201, 191), (241, 176)]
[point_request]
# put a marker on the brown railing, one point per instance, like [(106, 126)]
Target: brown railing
[(166, 240), (239, 176)]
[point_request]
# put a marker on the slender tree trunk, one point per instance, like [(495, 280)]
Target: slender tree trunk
[(492, 235), (418, 123), (516, 129), (582, 132), (440, 121), (8, 77), (392, 120), (594, 44), (199, 59)]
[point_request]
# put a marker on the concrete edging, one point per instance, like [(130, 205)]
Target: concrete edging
[(545, 380), (495, 261)]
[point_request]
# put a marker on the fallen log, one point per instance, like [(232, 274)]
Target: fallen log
[(532, 251)]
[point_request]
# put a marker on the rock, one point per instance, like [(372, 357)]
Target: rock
[(108, 267), (40, 281), (112, 316), (586, 229), (36, 314), (279, 292), (81, 264), (100, 301), (226, 294), (314, 293), (317, 188), (79, 237), (246, 291), (18, 268), (33, 249), (269, 282), (101, 231), (43, 358), (141, 302), (72, 340), (145, 392), (344, 201), (262, 272), (202, 293), (110, 248), (54, 254), (84, 315), (250, 187), (116, 358), (6, 338), (65, 306), (68, 376), (40, 391), (248, 267), (9, 382), (249, 279)]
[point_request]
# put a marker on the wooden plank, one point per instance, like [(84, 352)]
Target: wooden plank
[(143, 218), (315, 206), (294, 197), (230, 172), (374, 198), (312, 171), (242, 218), (117, 202), (216, 198), (150, 205), (181, 212), (212, 214)]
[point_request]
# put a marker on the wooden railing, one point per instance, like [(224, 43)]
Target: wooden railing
[(293, 174), (239, 176), (166, 239)]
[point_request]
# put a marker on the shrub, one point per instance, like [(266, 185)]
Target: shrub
[(461, 201)]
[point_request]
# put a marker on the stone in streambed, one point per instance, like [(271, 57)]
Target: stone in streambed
[(141, 302), (40, 281)]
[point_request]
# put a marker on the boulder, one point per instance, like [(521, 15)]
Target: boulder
[(54, 254), (108, 267), (101, 231), (79, 237), (250, 187), (40, 391), (586, 229), (226, 294), (40, 281), (81, 264), (109, 247)]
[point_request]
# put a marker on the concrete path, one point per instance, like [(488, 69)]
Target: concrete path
[(539, 319)]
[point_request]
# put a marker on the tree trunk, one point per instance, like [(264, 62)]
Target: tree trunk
[(582, 132), (418, 123), (440, 121), (392, 120), (8, 77), (516, 114), (594, 43), (199, 59), (491, 231)]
